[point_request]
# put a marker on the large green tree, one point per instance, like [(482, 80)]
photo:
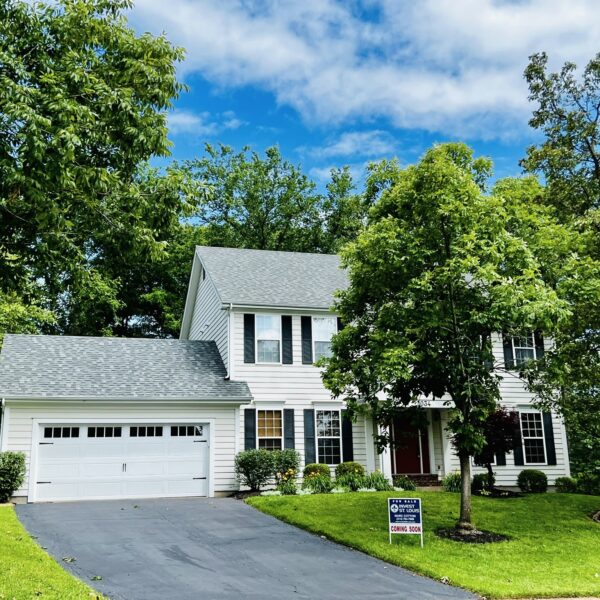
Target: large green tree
[(567, 113), (83, 101), (437, 271)]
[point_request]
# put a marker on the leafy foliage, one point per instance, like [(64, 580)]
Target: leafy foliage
[(438, 268), (532, 481), (404, 482), (481, 483), (566, 485), (378, 481), (287, 487), (285, 464), (254, 468), (352, 480), (346, 468), (567, 114), (452, 482), (317, 468), (12, 474), (317, 483)]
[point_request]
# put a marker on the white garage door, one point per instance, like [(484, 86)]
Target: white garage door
[(120, 460)]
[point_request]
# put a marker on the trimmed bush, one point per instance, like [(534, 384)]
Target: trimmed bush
[(318, 483), (254, 468), (12, 474), (351, 481), (287, 487), (480, 484), (378, 481), (347, 468), (286, 464), (566, 485), (315, 468), (404, 482), (532, 481), (452, 482), (589, 483)]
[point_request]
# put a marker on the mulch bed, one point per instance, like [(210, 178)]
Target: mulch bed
[(244, 495), (471, 536), (496, 493)]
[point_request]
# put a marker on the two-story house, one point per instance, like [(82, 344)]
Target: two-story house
[(116, 418)]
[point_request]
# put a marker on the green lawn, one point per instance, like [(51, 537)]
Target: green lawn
[(27, 572), (554, 548)]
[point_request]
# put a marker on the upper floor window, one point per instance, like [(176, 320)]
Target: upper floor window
[(323, 330), (523, 349), (532, 431), (268, 339)]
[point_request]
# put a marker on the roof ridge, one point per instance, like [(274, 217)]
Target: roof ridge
[(269, 251)]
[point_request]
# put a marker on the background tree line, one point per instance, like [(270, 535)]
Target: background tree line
[(95, 242)]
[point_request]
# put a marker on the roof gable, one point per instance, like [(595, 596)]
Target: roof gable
[(40, 366), (272, 278)]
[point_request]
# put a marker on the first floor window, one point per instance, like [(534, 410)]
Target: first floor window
[(532, 430), (268, 339), (270, 429), (323, 330), (329, 443)]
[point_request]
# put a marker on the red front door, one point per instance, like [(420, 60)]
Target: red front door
[(411, 448)]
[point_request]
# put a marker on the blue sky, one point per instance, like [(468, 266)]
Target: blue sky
[(343, 83)]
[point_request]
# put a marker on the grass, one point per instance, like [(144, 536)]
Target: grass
[(26, 571), (554, 548)]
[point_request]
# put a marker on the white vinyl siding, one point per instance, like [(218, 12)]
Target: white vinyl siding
[(209, 321), (19, 431)]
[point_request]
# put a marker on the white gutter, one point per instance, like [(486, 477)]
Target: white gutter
[(227, 400)]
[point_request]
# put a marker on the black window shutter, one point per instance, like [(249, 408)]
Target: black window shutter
[(249, 338), (347, 444), (549, 435), (306, 327), (288, 428), (340, 325), (539, 345), (250, 429), (287, 352), (500, 459), (509, 359), (518, 451), (310, 455)]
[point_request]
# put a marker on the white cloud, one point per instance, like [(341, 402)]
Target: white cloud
[(450, 66), (356, 143), (185, 122)]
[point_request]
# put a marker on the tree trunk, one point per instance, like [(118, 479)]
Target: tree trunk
[(464, 522), (490, 477)]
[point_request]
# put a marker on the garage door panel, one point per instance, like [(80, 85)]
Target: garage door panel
[(122, 467)]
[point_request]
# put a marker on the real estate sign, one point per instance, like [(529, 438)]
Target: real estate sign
[(405, 517)]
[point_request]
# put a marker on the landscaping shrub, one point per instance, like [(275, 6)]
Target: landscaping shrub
[(288, 487), (254, 468), (319, 469), (589, 483), (347, 468), (286, 464), (566, 485), (480, 484), (452, 482), (318, 483), (12, 473), (532, 481), (404, 482), (378, 481), (352, 481)]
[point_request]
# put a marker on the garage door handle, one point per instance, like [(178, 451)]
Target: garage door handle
[(196, 478), (200, 441), (46, 443), (40, 482)]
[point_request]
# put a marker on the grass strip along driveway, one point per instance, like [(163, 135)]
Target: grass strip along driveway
[(26, 571), (554, 546)]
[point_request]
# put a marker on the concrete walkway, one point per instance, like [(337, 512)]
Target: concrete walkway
[(211, 549)]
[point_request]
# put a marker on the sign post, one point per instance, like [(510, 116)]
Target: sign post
[(405, 517)]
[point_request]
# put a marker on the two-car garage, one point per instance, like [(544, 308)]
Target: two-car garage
[(78, 461)]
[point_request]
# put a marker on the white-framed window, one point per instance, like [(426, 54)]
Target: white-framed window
[(268, 338), (523, 349), (269, 429), (329, 436), (323, 329), (534, 443)]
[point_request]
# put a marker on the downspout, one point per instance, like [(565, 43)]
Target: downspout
[(229, 344), (2, 403)]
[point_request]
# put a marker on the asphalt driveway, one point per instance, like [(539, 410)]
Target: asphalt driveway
[(210, 549)]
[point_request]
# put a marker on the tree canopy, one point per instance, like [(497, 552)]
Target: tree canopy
[(439, 269)]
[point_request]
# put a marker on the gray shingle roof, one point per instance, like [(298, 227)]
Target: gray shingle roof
[(44, 366), (269, 278)]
